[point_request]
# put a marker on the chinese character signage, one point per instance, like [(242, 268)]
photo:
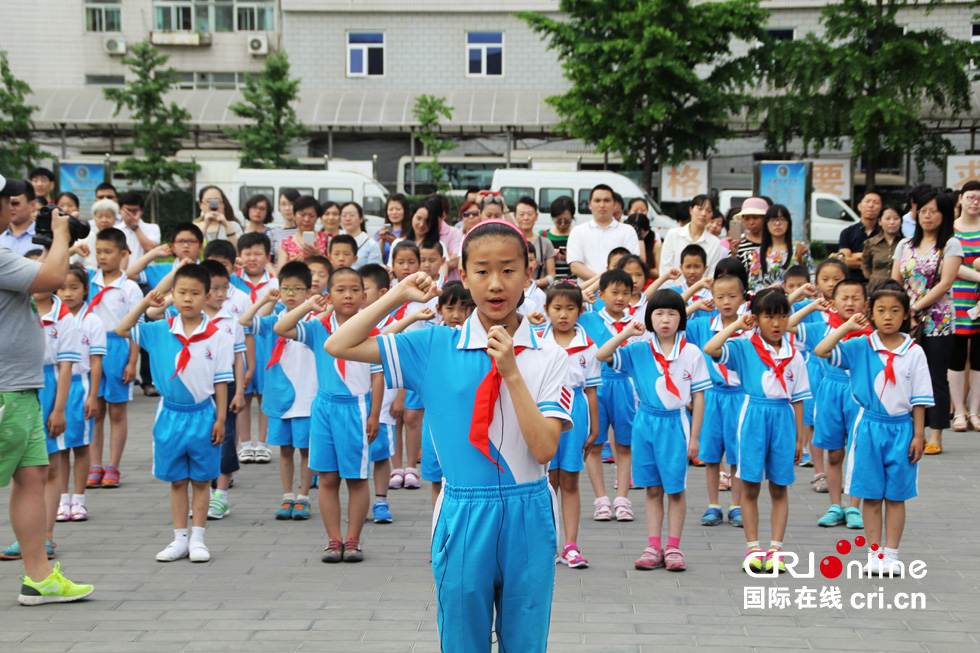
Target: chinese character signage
[(684, 181), (81, 179), (832, 176), (961, 169), (787, 183)]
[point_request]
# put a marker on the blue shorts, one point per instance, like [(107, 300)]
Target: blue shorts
[(494, 548), (413, 401), (660, 440), (383, 446), (111, 388), (814, 371), (338, 435), (767, 441), (229, 452), (719, 427), (431, 467), (182, 446), (617, 406), (46, 396), (291, 432), (569, 457), (834, 413), (78, 430), (879, 454)]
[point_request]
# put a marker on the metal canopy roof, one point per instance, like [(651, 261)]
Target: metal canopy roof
[(474, 111)]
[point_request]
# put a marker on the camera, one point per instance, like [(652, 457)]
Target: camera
[(43, 235)]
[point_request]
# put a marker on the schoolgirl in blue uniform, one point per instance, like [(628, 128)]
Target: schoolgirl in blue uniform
[(192, 363), (835, 409), (722, 403), (494, 531), (770, 425), (669, 374), (564, 305), (889, 377)]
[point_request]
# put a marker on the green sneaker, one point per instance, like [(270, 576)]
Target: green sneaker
[(53, 589), (774, 558), (218, 508)]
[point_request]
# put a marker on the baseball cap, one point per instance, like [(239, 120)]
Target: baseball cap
[(753, 206), (12, 187)]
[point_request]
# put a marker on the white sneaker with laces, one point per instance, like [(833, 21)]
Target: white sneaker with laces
[(174, 551), (199, 551)]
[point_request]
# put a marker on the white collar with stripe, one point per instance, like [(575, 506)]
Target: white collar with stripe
[(580, 339), (675, 350), (786, 350), (608, 319), (177, 326), (99, 280), (877, 345), (474, 335)]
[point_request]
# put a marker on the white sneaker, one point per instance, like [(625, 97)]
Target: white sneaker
[(246, 455), (174, 551), (889, 567), (64, 512), (199, 551), (262, 455)]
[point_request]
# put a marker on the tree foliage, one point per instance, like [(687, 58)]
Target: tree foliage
[(158, 127), (866, 77), (269, 105), (429, 110), (18, 152), (654, 80)]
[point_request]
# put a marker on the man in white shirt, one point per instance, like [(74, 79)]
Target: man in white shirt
[(140, 236), (589, 244)]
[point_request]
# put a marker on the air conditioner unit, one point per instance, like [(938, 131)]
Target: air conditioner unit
[(114, 45), (258, 44)]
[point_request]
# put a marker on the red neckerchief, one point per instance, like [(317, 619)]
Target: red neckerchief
[(280, 345), (834, 321), (253, 288), (487, 394), (766, 357), (575, 350), (665, 365), (61, 314), (97, 299), (889, 368), (400, 312), (341, 363), (185, 353)]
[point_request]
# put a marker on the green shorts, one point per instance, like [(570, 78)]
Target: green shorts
[(22, 441)]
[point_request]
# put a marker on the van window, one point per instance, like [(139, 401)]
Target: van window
[(374, 205), (338, 195), (583, 201), (512, 193), (247, 191), (549, 195), (830, 209), (303, 191)]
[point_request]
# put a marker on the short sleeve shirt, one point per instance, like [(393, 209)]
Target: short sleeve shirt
[(22, 356), (867, 358), (853, 239)]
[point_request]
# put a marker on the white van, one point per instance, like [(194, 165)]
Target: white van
[(241, 183), (829, 215), (545, 186)]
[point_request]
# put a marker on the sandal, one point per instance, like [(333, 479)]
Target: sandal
[(651, 559), (932, 448), (674, 559), (623, 508), (724, 482), (959, 423), (396, 480), (603, 509), (974, 421)]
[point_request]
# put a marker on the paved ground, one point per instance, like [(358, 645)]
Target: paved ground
[(266, 589)]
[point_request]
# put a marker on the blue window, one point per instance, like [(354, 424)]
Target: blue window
[(484, 54), (365, 54)]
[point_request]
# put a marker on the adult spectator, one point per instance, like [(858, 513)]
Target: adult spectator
[(451, 239), (618, 205), (649, 243), (915, 197), (42, 179), (23, 448), (472, 195), (258, 214), (19, 231), (589, 244), (562, 216), (217, 220), (879, 250), (638, 205), (296, 248), (105, 214), (141, 236), (352, 220), (965, 295), (750, 216), (526, 215), (777, 253), (926, 265), (469, 216), (397, 210), (68, 203), (286, 198), (106, 191), (693, 233), (850, 245)]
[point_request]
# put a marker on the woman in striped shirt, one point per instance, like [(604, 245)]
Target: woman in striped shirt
[(965, 297)]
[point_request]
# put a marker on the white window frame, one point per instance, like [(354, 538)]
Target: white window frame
[(364, 47), (255, 6), (102, 8), (173, 6), (483, 54)]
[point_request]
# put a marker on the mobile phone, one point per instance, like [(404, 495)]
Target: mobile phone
[(213, 205), (309, 238)]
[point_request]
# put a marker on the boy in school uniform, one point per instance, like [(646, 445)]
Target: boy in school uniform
[(254, 252), (342, 252), (291, 386), (237, 300), (113, 295), (345, 413), (187, 244), (320, 269), (693, 285), (192, 360)]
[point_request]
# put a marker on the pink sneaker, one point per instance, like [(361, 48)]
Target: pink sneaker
[(674, 559), (396, 480), (64, 512), (572, 557), (651, 559), (411, 478), (79, 512), (623, 508)]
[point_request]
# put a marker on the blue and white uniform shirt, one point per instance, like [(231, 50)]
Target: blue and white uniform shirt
[(111, 302), (698, 333), (254, 290), (408, 308), (290, 387), (816, 317), (153, 274), (390, 394), (639, 310), (600, 326), (228, 324), (237, 301), (534, 300), (584, 370), (211, 358), (62, 339), (810, 335), (92, 338), (885, 382), (446, 368), (681, 286), (663, 380), (335, 375), (781, 380)]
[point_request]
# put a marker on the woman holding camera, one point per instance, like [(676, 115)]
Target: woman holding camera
[(217, 221)]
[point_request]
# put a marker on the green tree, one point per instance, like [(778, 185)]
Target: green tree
[(654, 80), (269, 105), (17, 151), (158, 128), (428, 110), (866, 77)]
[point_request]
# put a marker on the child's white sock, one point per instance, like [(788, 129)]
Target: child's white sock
[(253, 444), (289, 496), (753, 545), (65, 498), (78, 498), (378, 498), (303, 497), (775, 544), (180, 535), (891, 552), (217, 494), (197, 534)]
